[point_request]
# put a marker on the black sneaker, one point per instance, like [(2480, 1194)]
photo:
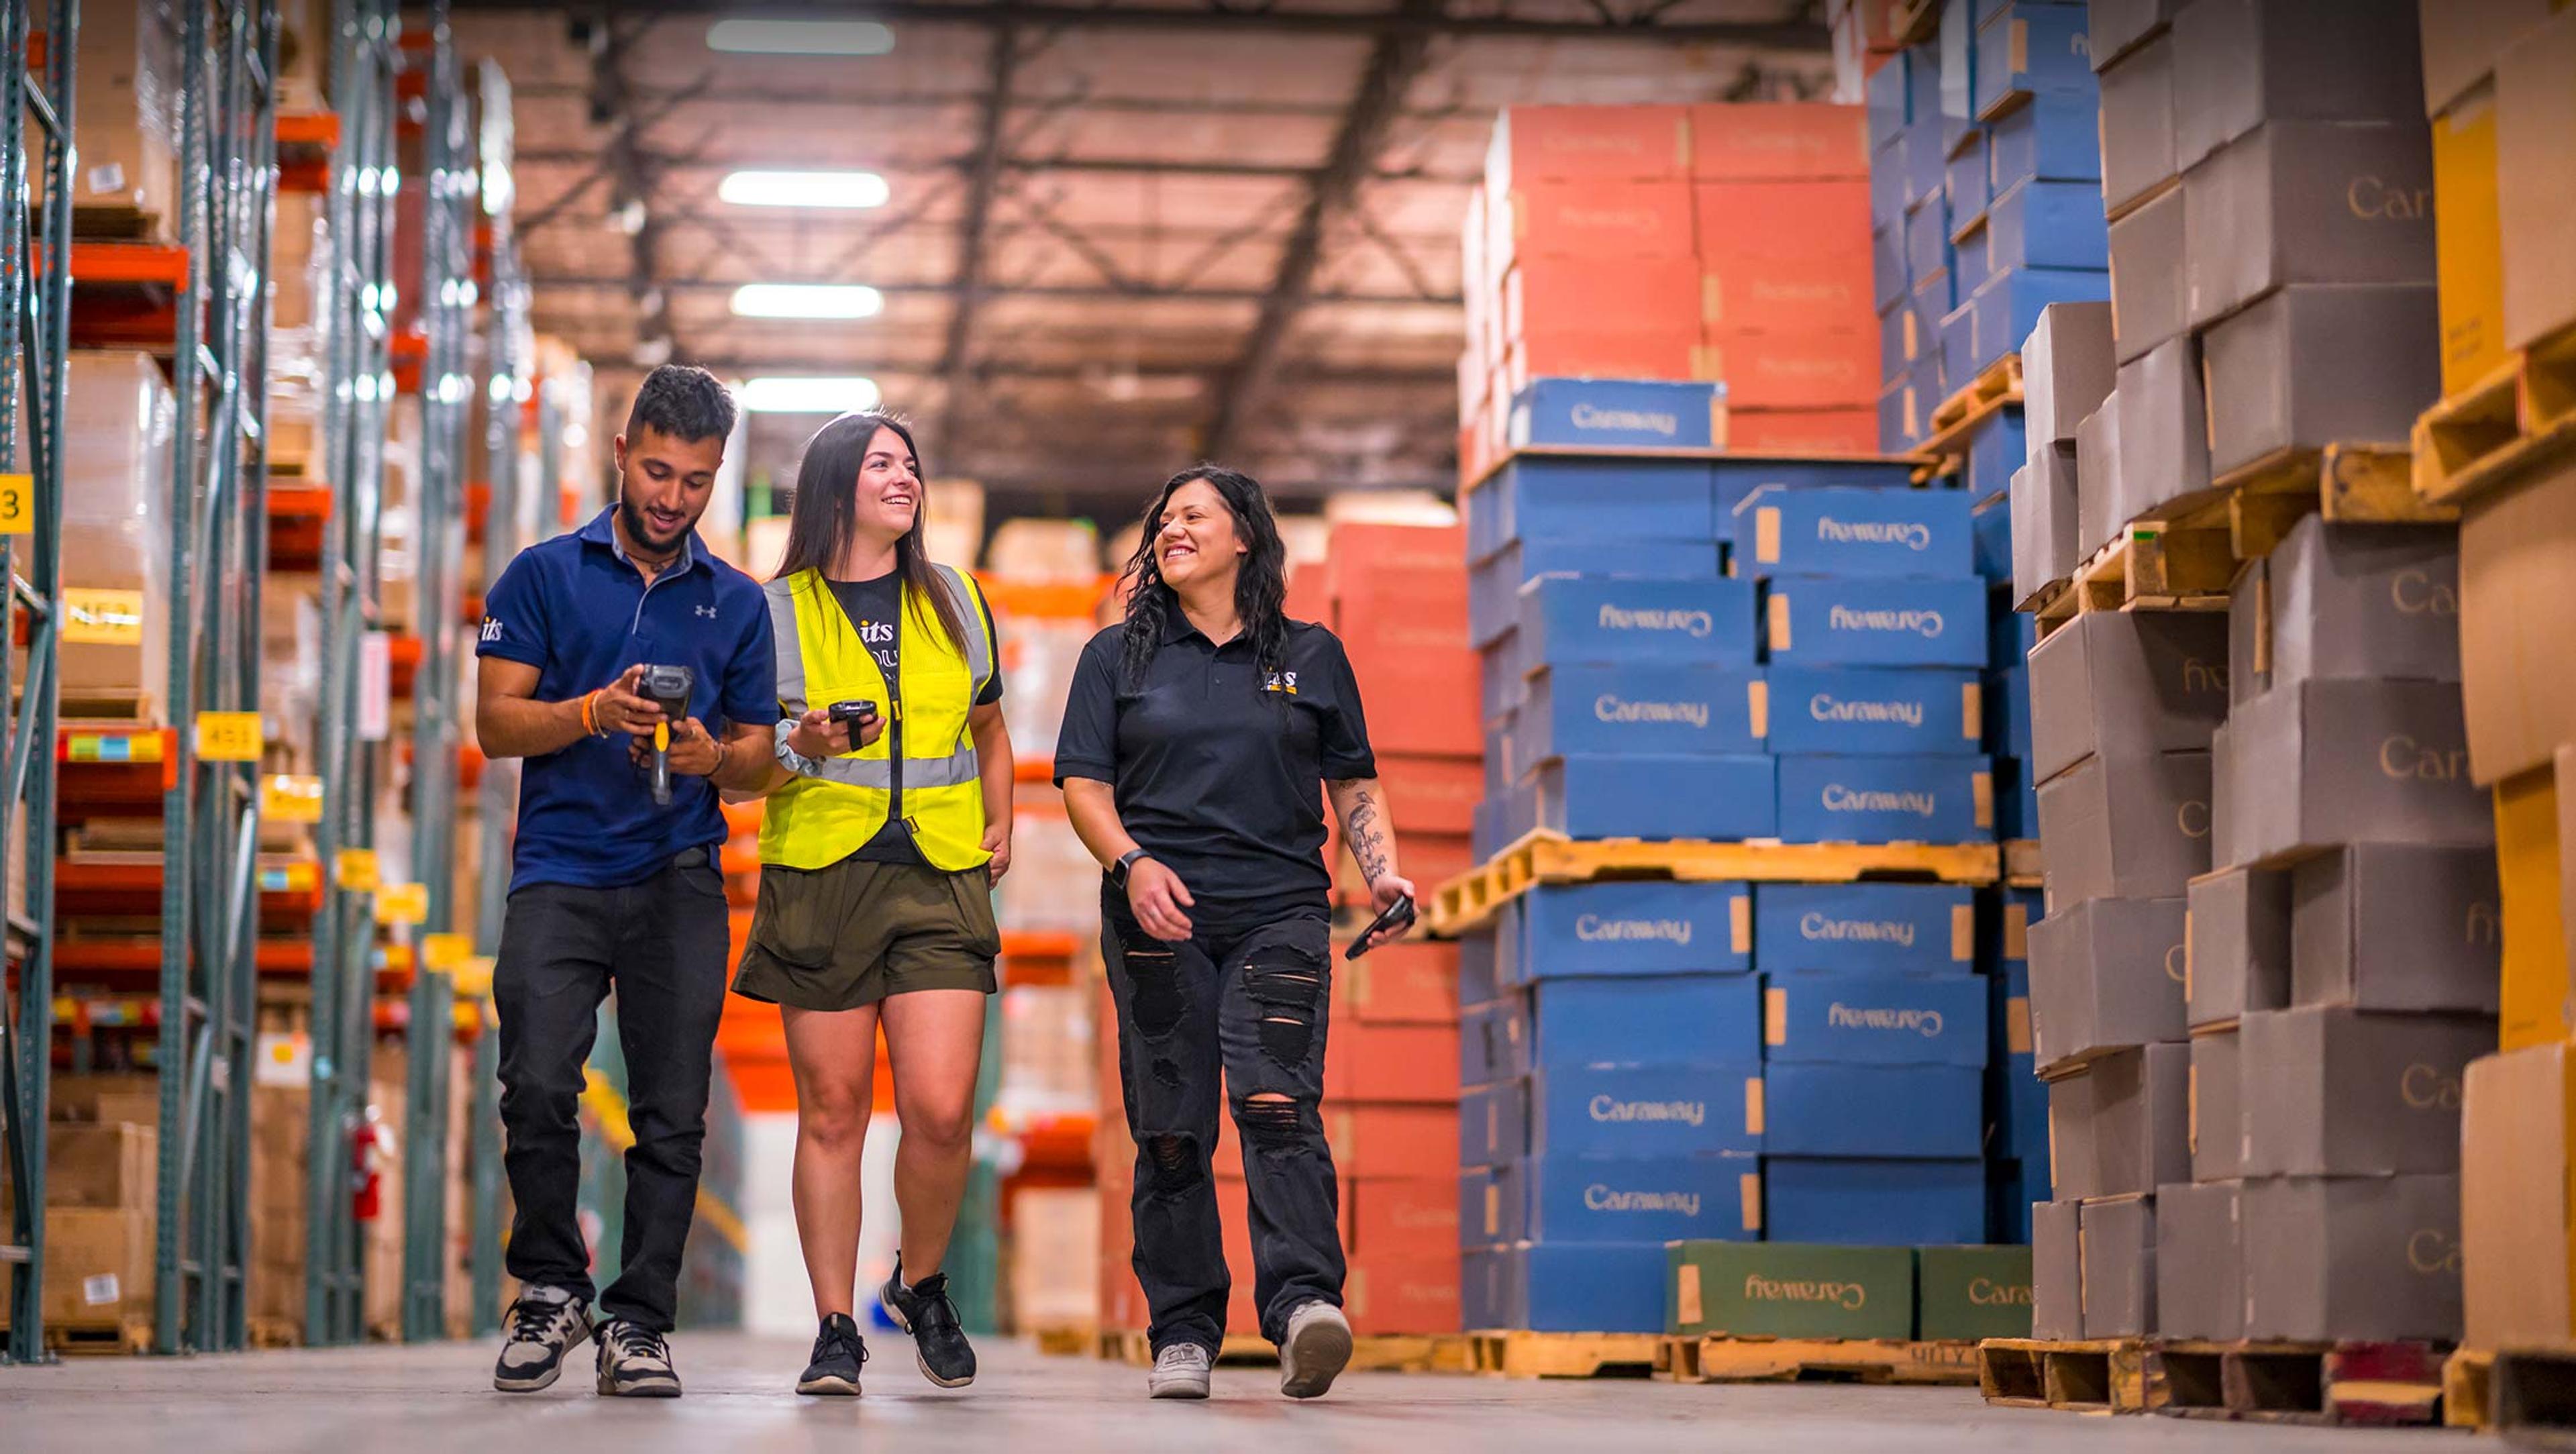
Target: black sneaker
[(541, 1327), (924, 1311), (634, 1362), (839, 1352)]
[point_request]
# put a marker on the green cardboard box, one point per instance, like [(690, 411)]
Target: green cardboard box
[(1791, 1290), (1974, 1292)]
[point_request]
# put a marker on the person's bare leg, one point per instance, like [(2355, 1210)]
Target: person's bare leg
[(935, 1041), (833, 1055)]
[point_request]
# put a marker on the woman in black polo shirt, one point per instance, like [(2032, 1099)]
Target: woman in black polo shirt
[(1199, 744)]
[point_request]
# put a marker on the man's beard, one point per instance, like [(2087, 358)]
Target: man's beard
[(640, 529)]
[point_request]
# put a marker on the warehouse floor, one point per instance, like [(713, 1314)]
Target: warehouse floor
[(437, 1398)]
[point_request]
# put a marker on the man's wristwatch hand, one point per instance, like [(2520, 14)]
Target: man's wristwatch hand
[(1126, 865)]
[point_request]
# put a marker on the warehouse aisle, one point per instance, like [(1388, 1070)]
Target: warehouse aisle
[(399, 1399)]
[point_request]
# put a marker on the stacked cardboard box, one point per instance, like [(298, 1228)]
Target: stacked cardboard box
[(1786, 1290), (1396, 595), (100, 1212), (126, 116)]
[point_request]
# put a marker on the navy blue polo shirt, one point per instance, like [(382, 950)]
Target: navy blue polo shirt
[(577, 610)]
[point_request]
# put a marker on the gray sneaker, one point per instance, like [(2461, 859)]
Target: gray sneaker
[(1317, 1348), (634, 1362), (541, 1327), (1180, 1371)]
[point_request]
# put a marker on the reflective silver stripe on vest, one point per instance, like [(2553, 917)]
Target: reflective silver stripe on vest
[(979, 649), (878, 772), (791, 654)]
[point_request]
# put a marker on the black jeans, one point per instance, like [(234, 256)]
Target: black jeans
[(1248, 1005), (661, 944)]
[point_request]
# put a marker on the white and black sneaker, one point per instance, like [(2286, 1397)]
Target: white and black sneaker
[(634, 1362), (1316, 1350), (925, 1311), (541, 1327), (1180, 1371), (839, 1353)]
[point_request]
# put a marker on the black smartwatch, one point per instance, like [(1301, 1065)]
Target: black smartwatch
[(1126, 864)]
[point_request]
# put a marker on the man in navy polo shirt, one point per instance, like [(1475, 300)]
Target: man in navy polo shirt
[(609, 889)]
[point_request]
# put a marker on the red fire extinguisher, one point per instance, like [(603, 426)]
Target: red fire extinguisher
[(371, 1148)]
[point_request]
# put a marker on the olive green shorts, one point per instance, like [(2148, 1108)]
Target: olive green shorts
[(848, 935)]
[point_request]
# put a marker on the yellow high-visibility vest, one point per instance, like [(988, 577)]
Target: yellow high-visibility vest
[(830, 809)]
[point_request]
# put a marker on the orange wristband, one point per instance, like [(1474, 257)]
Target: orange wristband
[(589, 725)]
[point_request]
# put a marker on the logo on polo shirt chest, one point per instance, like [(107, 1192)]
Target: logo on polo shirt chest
[(1280, 681)]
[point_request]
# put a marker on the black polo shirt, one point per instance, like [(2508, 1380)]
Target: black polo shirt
[(1220, 772)]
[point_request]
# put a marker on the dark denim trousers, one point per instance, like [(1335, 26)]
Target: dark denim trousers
[(1248, 1006), (661, 945)]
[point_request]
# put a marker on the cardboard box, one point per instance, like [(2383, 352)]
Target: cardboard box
[(1638, 1199), (2392, 926), (2517, 1228), (126, 115), (1403, 1295), (1587, 143), (2046, 225), (1617, 414), (2308, 202), (2241, 63), (1851, 1019), (1664, 1020), (1624, 710), (2217, 1106), (2516, 549), (1493, 1204), (1410, 983), (2241, 949), (2124, 684), (2074, 1144), (1877, 928), (1791, 141), (1431, 796), (1973, 1292), (99, 1265), (1646, 1110), (2029, 49), (2137, 124), (2057, 1271), (2360, 601), (1821, 621), (1595, 288), (2200, 1261), (1493, 586), (2535, 108), (1811, 367), (2326, 763), (2045, 533), (2148, 295), (1638, 622), (1852, 531), (1584, 1287), (1410, 1063), (1493, 1120), (2532, 824), (1996, 448), (1803, 431), (1927, 241), (2462, 41), (2336, 1092), (1930, 799), (1732, 476), (1887, 1111), (2009, 303), (2098, 501), (1791, 1290), (2164, 428), (1656, 797), (1639, 928), (1873, 1203), (2316, 365), (1966, 185), (2051, 139), (2126, 827), (2119, 1258), (1563, 501), (2468, 240), (2117, 26), (1551, 349), (2141, 1117), (1406, 1218), (2352, 1257), (2105, 974)]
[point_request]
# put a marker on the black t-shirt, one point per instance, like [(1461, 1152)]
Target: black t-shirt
[(874, 608), (1219, 773)]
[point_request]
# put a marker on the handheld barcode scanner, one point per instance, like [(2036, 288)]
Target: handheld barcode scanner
[(855, 715), (669, 688)]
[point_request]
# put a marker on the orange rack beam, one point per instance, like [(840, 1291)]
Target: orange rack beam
[(308, 128)]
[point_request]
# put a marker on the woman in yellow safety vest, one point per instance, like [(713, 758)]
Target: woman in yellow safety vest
[(888, 823)]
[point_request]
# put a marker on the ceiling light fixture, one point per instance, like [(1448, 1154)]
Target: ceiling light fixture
[(807, 300), (784, 394), (800, 37), (804, 189)]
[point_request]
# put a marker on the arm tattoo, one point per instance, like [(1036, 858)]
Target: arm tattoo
[(1368, 840)]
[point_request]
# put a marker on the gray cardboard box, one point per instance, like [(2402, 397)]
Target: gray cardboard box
[(2379, 601), (2097, 478), (2138, 125), (2396, 926), (2142, 1117), (2066, 367), (2226, 805), (2122, 683), (2461, 40), (2241, 63), (2308, 202), (2056, 1270), (2164, 427), (2317, 364), (2116, 25), (2217, 1107), (2200, 1261), (2324, 763), (2350, 1258), (2336, 1092), (2119, 1250), (2074, 1147), (2240, 954), (2043, 520), (2105, 974), (2126, 827), (2147, 299)]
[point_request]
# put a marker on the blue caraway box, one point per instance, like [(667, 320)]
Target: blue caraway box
[(1889, 96), (2009, 637), (1993, 516), (1481, 1301), (1964, 181), (1477, 982), (1652, 927), (1493, 1040), (1873, 710), (1874, 1019), (1665, 797), (1631, 711), (2048, 225), (2053, 139), (2008, 1188), (1893, 431), (1891, 339), (1674, 1019), (1864, 928), (1876, 1203), (1540, 498), (1971, 264), (1737, 476), (1645, 1110), (2032, 49), (1610, 619), (1831, 621), (1853, 531), (1493, 1123), (1616, 414), (1498, 678), (1493, 1205), (1582, 1287), (2008, 308), (1927, 151), (2016, 799), (1948, 799), (1995, 450), (1494, 586), (1927, 239), (1658, 1199), (1926, 1111), (2017, 1100), (2008, 712), (1888, 275)]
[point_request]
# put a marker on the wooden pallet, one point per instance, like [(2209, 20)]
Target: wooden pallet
[(123, 1334), (2517, 418), (275, 1332), (1721, 1359), (2528, 1397), (1564, 1355), (2093, 1376), (1988, 394), (1370, 1353), (2022, 866), (1469, 900), (1068, 1342), (2468, 1377), (2361, 1384), (2150, 566)]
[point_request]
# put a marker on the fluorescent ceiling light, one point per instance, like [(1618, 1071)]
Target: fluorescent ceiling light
[(800, 37), (807, 300), (804, 189), (790, 395)]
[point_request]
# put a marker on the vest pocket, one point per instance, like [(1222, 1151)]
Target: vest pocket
[(796, 918)]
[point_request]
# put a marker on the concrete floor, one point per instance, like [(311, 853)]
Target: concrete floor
[(739, 1402)]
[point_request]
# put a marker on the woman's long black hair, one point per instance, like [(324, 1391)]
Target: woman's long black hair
[(1260, 589), (824, 517)]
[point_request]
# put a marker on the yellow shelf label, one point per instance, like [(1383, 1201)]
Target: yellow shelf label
[(402, 903), (355, 870), (288, 799), (102, 618), (229, 737), (17, 504), (445, 951), (474, 977)]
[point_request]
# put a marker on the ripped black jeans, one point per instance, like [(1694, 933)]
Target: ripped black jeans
[(1251, 1006)]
